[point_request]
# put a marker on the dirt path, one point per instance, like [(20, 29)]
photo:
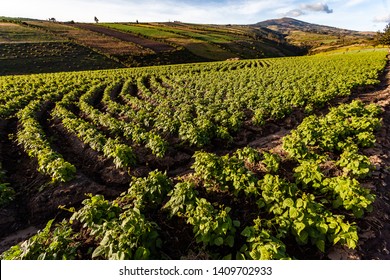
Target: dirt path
[(375, 228)]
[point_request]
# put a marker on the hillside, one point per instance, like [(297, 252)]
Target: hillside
[(116, 45), (315, 37), (285, 25), (132, 44), (176, 42)]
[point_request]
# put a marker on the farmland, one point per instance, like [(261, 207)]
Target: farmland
[(46, 57), (28, 50), (170, 43), (13, 32), (33, 46), (252, 159)]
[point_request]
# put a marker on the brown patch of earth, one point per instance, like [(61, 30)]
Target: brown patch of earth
[(128, 37), (97, 41)]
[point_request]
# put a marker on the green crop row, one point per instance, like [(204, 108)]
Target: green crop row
[(198, 104), (313, 206)]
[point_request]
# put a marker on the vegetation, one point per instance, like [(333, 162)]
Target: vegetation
[(114, 45), (33, 58), (384, 37), (305, 209), (303, 199), (14, 31)]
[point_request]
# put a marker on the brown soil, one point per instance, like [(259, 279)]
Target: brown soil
[(127, 37), (97, 41)]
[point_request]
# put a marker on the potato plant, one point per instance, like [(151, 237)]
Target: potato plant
[(247, 204)]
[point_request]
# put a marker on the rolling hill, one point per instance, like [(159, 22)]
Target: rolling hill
[(315, 37), (117, 45)]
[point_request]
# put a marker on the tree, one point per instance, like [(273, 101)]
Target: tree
[(96, 20), (384, 38)]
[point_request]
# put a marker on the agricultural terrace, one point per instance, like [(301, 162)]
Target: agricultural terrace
[(12, 32), (190, 41), (48, 57), (93, 40)]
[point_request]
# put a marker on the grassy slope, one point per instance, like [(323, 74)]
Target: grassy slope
[(13, 32), (28, 50), (191, 42)]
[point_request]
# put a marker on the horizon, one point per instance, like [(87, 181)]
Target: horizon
[(222, 24), (358, 15)]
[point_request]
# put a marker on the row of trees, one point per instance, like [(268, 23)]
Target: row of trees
[(384, 37)]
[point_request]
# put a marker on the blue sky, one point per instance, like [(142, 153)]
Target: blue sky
[(363, 15)]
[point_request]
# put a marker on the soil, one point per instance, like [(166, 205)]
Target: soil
[(127, 37), (96, 41), (37, 200)]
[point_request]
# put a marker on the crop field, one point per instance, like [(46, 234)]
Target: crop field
[(47, 57), (126, 48), (155, 46), (252, 159), (194, 45), (212, 37), (28, 49), (94, 40), (12, 32)]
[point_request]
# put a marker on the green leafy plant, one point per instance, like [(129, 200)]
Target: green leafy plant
[(148, 192), (353, 163), (211, 226), (271, 161), (309, 174), (261, 245), (180, 196), (129, 237), (348, 193), (226, 173), (57, 244)]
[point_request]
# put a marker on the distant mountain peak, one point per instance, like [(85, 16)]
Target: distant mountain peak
[(287, 24)]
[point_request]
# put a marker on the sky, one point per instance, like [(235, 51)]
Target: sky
[(361, 15)]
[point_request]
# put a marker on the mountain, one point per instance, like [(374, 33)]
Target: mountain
[(315, 37), (286, 25)]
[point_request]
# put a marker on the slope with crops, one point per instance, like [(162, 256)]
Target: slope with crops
[(163, 152)]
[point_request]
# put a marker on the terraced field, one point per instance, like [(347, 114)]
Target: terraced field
[(190, 41), (32, 58), (104, 44), (27, 50), (12, 32), (155, 46)]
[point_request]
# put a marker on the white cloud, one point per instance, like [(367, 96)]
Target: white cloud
[(294, 13), (317, 7), (307, 8), (382, 18)]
